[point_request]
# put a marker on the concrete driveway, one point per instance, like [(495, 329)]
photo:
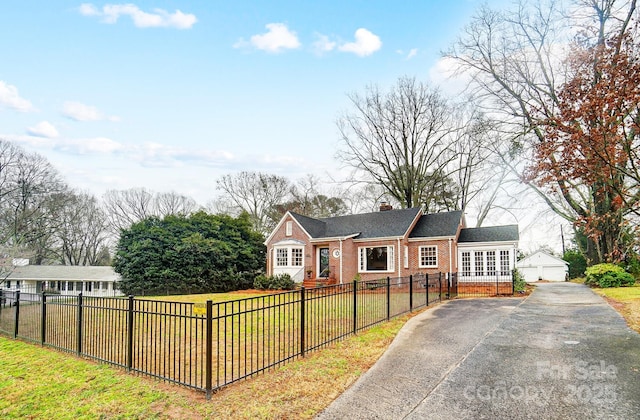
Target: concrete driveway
[(561, 353)]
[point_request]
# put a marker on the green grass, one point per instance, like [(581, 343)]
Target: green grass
[(625, 300), (38, 382)]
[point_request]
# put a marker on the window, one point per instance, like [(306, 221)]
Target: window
[(289, 257), (504, 263), (282, 257), (479, 263), (378, 258), (491, 263), (406, 256), (466, 263), (428, 256), (296, 257), (289, 228)]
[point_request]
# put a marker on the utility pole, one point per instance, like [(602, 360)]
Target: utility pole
[(562, 237)]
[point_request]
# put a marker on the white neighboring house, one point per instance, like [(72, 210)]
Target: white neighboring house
[(543, 266), (63, 279)]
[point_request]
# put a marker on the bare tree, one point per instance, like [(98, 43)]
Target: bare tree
[(399, 139), (173, 203), (32, 195), (84, 231), (256, 193), (126, 207), (518, 63)]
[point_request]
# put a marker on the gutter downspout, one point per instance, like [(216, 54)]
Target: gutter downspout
[(399, 260), (450, 257), (341, 282)]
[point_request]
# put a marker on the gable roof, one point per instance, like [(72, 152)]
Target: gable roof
[(542, 256), (380, 224), (490, 234), (437, 225), (64, 272)]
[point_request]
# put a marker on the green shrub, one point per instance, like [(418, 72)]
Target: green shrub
[(277, 282), (608, 275), (577, 263), (518, 281)]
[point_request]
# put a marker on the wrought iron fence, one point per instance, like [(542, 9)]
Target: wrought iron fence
[(206, 346)]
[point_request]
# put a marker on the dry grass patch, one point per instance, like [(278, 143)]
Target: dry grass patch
[(625, 300)]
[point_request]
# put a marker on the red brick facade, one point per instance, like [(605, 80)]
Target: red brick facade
[(344, 254)]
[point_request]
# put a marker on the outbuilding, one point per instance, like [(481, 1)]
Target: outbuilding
[(543, 266)]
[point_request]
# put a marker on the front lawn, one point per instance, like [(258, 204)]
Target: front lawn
[(36, 382), (625, 300)]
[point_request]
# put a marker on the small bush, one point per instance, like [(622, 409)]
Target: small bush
[(608, 275), (277, 282), (518, 281)]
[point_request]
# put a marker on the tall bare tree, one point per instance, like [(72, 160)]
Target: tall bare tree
[(83, 234), (517, 60), (257, 194), (399, 139), (126, 207)]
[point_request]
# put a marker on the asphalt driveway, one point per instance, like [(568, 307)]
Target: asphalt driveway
[(561, 353)]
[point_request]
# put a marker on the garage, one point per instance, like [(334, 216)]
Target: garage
[(543, 266)]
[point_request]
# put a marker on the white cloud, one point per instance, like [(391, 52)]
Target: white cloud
[(160, 18), (323, 44), (99, 145), (80, 112), (366, 43), (10, 98), (412, 53), (43, 129), (446, 74), (276, 39)]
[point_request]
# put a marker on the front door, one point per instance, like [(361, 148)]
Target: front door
[(323, 262)]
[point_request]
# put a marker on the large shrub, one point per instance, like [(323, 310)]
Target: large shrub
[(608, 275), (199, 253)]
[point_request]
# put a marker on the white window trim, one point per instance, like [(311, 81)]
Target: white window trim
[(288, 228), (289, 249), (420, 265), (390, 259)]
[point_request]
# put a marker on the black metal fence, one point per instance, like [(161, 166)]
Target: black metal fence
[(208, 345)]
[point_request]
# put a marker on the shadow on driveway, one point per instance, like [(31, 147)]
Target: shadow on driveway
[(561, 353)]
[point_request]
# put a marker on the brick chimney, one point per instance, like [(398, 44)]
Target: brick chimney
[(384, 206)]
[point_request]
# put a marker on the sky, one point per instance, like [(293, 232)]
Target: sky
[(171, 95)]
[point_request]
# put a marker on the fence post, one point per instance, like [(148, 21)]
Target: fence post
[(209, 345), (388, 298), (440, 285), (302, 321), (43, 320), (410, 292), (79, 325), (513, 285), (426, 286), (130, 334), (355, 306), (17, 315)]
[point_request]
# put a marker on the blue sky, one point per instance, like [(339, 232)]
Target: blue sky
[(170, 95)]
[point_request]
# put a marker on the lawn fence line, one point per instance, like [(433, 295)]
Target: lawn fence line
[(206, 346)]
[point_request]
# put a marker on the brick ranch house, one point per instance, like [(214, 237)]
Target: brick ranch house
[(393, 243)]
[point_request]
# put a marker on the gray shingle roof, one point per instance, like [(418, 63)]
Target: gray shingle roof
[(380, 224), (64, 272), (437, 225), (490, 234)]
